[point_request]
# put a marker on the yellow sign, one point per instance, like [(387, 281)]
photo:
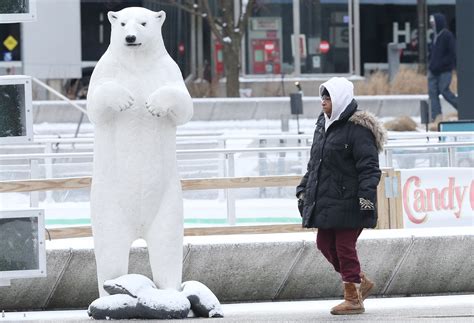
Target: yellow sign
[(10, 43)]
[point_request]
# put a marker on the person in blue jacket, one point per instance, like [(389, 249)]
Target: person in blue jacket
[(442, 62)]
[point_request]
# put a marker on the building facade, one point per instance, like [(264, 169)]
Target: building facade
[(335, 36)]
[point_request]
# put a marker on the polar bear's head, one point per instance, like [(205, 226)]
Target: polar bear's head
[(136, 29)]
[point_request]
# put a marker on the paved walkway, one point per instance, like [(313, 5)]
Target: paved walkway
[(459, 308)]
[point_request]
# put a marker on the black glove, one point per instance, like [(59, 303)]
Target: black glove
[(366, 205), (301, 203)]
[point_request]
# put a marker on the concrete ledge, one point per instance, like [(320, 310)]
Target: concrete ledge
[(264, 108), (266, 267)]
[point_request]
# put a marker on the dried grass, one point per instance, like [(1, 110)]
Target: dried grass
[(403, 123), (407, 81)]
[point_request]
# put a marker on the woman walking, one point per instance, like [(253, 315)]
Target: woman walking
[(338, 193)]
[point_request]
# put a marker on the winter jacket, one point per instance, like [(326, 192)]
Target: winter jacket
[(442, 50), (343, 165)]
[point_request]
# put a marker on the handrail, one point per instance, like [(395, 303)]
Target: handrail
[(49, 88), (241, 150), (403, 97), (391, 136)]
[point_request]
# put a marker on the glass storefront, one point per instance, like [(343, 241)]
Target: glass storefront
[(385, 21), (323, 37), (268, 47), (324, 29)]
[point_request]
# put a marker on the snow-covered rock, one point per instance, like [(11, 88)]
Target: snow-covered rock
[(119, 306), (162, 304), (203, 301), (129, 284)]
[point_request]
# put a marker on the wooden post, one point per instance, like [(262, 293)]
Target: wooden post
[(383, 210)]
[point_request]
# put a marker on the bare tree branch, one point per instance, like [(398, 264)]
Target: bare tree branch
[(244, 17), (211, 19)]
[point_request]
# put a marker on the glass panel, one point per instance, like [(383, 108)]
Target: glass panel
[(324, 36), (14, 6), (12, 117), (268, 48), (19, 244)]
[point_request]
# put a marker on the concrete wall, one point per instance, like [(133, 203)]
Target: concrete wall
[(255, 108), (266, 268)]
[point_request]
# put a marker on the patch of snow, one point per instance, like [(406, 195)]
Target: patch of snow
[(203, 301), (118, 306), (227, 39), (163, 304), (130, 284)]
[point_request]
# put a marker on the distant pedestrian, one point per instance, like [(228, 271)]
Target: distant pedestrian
[(442, 62), (338, 193)]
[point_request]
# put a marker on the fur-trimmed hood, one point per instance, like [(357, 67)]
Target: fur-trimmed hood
[(369, 121)]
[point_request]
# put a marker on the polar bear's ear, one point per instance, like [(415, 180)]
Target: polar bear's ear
[(161, 16), (112, 15)]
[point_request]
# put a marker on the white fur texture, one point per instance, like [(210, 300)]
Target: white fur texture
[(136, 99)]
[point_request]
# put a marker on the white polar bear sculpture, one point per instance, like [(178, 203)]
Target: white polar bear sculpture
[(136, 99)]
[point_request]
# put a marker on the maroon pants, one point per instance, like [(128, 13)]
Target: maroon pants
[(339, 248)]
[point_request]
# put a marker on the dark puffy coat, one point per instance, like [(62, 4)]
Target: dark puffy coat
[(442, 50), (343, 167)]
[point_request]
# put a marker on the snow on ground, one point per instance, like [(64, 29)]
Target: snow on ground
[(456, 308)]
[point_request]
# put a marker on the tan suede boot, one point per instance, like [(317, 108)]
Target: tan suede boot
[(352, 301), (366, 286)]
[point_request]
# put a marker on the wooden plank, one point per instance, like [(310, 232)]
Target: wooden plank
[(383, 211), (398, 201), (187, 184), (240, 182), (86, 231), (34, 185)]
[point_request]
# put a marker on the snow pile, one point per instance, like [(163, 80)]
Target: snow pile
[(136, 296), (162, 304), (203, 302), (128, 284), (119, 306)]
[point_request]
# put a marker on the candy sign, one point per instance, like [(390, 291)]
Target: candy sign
[(437, 197)]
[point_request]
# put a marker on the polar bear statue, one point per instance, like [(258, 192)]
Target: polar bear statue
[(136, 99)]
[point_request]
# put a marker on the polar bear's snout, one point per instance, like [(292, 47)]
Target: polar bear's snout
[(130, 40)]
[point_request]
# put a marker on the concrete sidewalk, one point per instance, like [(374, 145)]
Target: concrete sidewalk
[(459, 308)]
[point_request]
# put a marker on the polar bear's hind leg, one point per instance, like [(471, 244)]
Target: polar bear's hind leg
[(111, 255), (165, 243)]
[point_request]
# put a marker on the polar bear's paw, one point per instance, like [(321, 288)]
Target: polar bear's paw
[(119, 306), (130, 284), (203, 301), (156, 105), (116, 96)]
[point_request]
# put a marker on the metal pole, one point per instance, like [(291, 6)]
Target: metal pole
[(34, 174), (465, 53), (231, 218), (451, 157), (193, 46), (296, 40), (422, 27), (351, 37), (200, 51), (357, 37)]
